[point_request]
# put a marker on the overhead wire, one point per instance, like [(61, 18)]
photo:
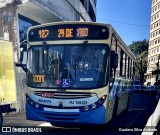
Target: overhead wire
[(141, 25)]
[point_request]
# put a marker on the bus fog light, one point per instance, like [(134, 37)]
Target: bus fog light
[(31, 102), (93, 105), (37, 105), (86, 108)]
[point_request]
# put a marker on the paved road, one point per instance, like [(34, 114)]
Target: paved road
[(140, 108)]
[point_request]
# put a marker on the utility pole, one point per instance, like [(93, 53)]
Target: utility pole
[(141, 73), (157, 70)]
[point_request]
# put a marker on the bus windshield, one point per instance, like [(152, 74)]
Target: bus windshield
[(68, 66)]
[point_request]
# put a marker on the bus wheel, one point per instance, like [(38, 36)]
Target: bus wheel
[(1, 118)]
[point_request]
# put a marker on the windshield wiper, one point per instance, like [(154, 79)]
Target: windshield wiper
[(80, 56)]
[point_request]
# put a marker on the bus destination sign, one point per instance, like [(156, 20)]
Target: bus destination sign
[(68, 32)]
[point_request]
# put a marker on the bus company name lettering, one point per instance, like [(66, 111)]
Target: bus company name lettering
[(78, 102), (44, 101)]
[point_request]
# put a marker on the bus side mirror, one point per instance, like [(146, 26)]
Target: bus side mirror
[(114, 60), (23, 48)]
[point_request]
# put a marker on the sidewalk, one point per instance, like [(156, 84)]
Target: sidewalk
[(19, 119)]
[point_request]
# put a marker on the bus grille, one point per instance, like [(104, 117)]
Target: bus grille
[(60, 117), (65, 95)]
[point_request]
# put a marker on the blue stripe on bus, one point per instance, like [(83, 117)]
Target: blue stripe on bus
[(96, 116)]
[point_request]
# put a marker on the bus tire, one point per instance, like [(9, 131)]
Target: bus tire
[(1, 118)]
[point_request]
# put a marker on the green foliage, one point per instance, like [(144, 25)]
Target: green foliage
[(141, 60), (140, 49), (139, 46)]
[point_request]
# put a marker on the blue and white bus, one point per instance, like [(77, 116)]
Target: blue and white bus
[(76, 73)]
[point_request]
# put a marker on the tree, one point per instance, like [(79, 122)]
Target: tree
[(141, 65), (140, 49), (139, 46)]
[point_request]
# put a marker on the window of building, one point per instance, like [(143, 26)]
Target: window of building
[(156, 58), (150, 44), (155, 42), (24, 24)]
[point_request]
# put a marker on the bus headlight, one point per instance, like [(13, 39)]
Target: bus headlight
[(86, 108), (33, 104), (37, 105), (94, 105), (101, 100)]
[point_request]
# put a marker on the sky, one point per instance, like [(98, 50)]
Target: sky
[(130, 18)]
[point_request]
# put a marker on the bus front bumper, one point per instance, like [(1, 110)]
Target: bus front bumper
[(96, 116)]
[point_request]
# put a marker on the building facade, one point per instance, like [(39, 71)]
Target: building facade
[(16, 16), (154, 44)]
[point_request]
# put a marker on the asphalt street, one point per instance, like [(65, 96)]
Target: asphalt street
[(141, 106)]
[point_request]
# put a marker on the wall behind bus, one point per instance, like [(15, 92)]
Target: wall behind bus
[(9, 31)]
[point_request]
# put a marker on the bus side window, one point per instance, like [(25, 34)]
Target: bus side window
[(113, 63)]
